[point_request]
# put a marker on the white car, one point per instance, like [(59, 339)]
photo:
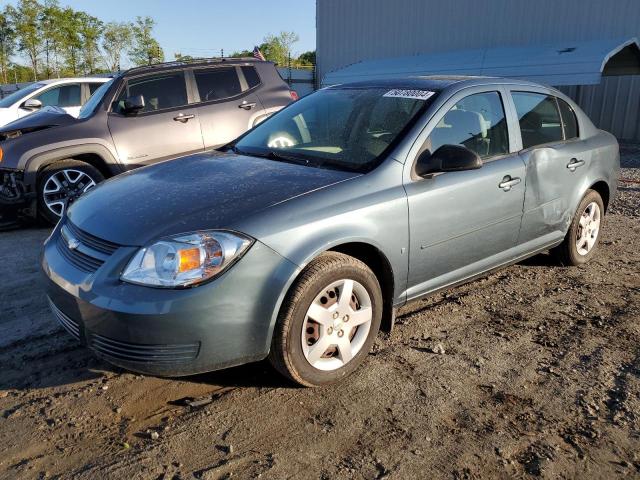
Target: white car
[(67, 93)]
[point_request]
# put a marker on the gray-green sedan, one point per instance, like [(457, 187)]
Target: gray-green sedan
[(299, 240)]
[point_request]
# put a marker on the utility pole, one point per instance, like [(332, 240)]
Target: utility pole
[(222, 53)]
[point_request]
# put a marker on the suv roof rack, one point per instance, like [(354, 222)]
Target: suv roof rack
[(192, 61)]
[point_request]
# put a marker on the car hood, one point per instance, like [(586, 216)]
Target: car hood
[(47, 117), (203, 191)]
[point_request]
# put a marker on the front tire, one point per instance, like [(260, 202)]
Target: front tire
[(62, 183), (328, 321), (581, 241)]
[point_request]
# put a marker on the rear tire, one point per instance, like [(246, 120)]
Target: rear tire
[(335, 305), (62, 183), (581, 241)]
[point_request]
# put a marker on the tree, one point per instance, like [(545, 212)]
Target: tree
[(242, 53), (307, 58), (89, 30), (7, 44), (71, 42), (117, 38), (25, 19), (182, 58), (50, 18), (277, 48), (146, 50)]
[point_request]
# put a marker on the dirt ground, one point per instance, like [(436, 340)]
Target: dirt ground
[(538, 375)]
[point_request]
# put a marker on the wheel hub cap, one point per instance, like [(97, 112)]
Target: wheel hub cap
[(64, 187), (588, 228), (337, 325)]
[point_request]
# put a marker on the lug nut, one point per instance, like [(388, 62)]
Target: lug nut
[(345, 318), (336, 314), (330, 330), (340, 333)]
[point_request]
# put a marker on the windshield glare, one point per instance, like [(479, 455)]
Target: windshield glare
[(345, 128), (88, 108), (19, 95)]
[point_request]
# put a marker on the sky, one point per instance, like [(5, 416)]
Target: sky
[(203, 28)]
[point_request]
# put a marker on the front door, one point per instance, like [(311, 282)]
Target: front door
[(462, 223), (167, 127), (228, 104)]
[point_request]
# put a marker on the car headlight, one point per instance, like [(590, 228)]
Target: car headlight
[(185, 260)]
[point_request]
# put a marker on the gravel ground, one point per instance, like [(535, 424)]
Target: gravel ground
[(532, 371)]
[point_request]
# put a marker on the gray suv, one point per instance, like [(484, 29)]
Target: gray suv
[(144, 115)]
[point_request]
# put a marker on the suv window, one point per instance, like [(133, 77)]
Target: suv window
[(63, 96), (217, 83), (569, 121), (93, 87), (160, 91), (476, 122), (251, 76), (539, 118)]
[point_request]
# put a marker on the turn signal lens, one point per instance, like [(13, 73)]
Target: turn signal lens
[(1, 154), (189, 259)]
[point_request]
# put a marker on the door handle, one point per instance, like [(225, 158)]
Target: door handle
[(508, 182), (574, 163), (247, 106), (183, 118)]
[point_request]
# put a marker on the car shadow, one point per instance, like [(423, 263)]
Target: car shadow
[(540, 260)]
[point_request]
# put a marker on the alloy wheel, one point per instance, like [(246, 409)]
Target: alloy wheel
[(64, 187)]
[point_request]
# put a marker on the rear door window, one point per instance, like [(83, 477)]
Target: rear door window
[(569, 121), (251, 76), (539, 118), (217, 83), (162, 91)]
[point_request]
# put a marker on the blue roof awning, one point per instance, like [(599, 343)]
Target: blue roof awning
[(567, 63)]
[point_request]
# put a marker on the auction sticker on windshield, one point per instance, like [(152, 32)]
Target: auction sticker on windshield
[(417, 94)]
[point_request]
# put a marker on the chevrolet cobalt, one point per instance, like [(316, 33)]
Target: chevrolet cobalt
[(299, 240)]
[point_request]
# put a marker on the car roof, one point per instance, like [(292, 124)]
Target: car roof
[(159, 67), (74, 79), (434, 82)]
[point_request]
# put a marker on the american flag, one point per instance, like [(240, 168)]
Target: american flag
[(258, 54)]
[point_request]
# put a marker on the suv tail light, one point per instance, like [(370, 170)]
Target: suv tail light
[(294, 95)]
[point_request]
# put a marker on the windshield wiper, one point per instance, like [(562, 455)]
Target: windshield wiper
[(274, 155)]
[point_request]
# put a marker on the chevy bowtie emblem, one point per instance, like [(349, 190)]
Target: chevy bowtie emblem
[(72, 243)]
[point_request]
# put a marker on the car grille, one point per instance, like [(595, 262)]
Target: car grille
[(69, 325), (88, 253), (141, 353)]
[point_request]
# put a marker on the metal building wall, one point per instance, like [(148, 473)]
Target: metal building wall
[(349, 31)]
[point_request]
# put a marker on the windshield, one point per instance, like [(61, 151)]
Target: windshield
[(20, 94), (88, 108), (344, 128)]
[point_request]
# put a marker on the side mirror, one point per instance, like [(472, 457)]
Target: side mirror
[(447, 158), (32, 104), (133, 105)]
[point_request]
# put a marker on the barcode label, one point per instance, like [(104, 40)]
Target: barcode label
[(416, 94)]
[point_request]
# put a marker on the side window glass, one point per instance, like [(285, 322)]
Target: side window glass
[(93, 87), (64, 96), (159, 91), (251, 76), (476, 122), (217, 83), (569, 121), (539, 118)]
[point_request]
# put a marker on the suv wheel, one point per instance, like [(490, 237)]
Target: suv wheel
[(61, 183), (581, 240), (328, 321)]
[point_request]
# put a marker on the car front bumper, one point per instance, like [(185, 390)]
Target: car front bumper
[(16, 197), (167, 332)]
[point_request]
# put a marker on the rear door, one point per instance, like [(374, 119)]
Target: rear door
[(463, 223), (556, 161), (167, 127), (228, 105)]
